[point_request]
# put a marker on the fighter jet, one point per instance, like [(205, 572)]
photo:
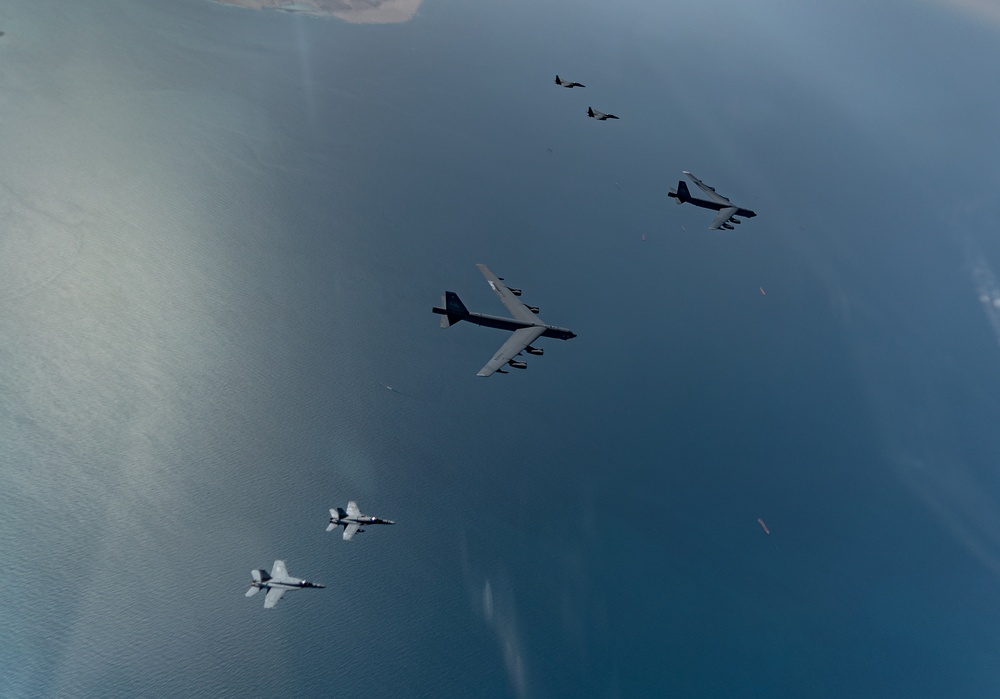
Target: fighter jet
[(276, 584), (600, 116), (728, 211), (525, 324), (568, 83), (352, 520)]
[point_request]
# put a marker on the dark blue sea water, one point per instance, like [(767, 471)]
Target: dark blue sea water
[(222, 234)]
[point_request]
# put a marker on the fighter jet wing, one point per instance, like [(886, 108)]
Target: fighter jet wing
[(507, 298), (272, 597), (278, 571), (722, 217), (510, 349), (709, 191), (349, 531), (352, 510)]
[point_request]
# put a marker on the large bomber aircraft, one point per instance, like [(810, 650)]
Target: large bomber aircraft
[(276, 584), (525, 324), (728, 211), (352, 520)]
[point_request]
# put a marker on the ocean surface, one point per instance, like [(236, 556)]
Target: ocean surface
[(221, 235)]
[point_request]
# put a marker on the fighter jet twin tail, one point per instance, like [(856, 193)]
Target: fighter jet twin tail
[(278, 581)]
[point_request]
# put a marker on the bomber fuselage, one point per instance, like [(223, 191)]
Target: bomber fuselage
[(713, 205), (511, 324)]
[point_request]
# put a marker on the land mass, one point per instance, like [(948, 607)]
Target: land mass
[(356, 11)]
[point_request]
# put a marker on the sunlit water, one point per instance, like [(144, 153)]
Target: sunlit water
[(223, 231)]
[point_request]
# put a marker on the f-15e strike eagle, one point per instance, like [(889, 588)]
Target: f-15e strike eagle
[(352, 520), (276, 584), (600, 116), (728, 211), (525, 324), (568, 83)]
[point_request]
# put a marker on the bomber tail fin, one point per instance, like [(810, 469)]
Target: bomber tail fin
[(454, 310), (681, 194)]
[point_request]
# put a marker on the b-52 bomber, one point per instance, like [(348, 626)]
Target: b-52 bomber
[(352, 520), (276, 584), (728, 211), (525, 324)]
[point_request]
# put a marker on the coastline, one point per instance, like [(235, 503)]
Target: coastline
[(353, 11)]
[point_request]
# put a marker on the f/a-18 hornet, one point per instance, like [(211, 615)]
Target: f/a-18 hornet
[(728, 211), (352, 520), (276, 584), (525, 324)]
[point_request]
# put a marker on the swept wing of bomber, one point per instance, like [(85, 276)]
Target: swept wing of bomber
[(728, 211), (277, 583), (352, 520), (600, 116), (568, 83), (526, 325)]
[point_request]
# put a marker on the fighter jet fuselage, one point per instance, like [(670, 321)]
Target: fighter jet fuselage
[(276, 583), (301, 584), (352, 520)]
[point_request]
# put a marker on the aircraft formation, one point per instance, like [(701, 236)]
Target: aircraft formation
[(525, 326), (591, 112), (278, 581)]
